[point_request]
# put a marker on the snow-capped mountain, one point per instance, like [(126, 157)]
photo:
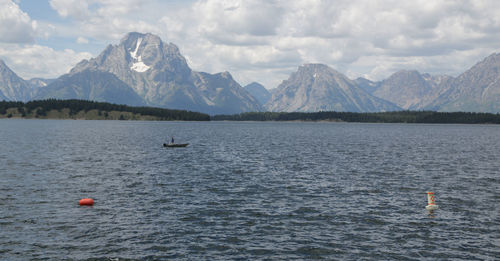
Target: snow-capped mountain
[(161, 76)]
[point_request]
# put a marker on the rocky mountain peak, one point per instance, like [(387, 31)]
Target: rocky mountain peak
[(406, 88), (317, 87), (367, 85), (410, 78), (316, 69), (146, 51), (226, 75), (131, 39), (321, 75), (407, 74), (488, 69), (4, 69), (12, 87), (311, 67), (492, 58), (138, 53)]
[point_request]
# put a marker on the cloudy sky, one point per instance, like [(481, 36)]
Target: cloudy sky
[(257, 40)]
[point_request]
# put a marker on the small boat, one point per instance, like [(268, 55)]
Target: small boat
[(175, 145)]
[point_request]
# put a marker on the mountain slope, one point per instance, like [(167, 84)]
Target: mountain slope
[(317, 87), (221, 91), (91, 85), (12, 87)]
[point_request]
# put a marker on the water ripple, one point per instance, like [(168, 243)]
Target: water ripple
[(246, 191)]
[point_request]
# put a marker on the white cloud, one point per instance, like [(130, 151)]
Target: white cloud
[(103, 19), (40, 61), (82, 40), (117, 8), (15, 25), (78, 9), (239, 17)]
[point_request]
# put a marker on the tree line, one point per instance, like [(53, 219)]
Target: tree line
[(41, 107), (373, 117)]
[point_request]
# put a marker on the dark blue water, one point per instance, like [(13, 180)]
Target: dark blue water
[(248, 191)]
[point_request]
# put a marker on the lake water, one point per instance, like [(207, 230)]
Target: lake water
[(248, 191)]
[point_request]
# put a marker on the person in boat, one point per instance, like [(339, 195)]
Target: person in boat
[(172, 141)]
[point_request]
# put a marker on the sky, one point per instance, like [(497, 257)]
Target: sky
[(257, 40)]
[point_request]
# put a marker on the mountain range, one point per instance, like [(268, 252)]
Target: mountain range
[(317, 87), (142, 70)]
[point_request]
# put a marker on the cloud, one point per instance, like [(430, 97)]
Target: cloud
[(15, 25), (103, 19), (31, 61), (240, 17), (358, 37), (82, 40), (78, 9)]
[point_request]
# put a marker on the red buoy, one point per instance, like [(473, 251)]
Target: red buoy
[(86, 202)]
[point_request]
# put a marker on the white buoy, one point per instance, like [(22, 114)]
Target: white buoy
[(431, 203)]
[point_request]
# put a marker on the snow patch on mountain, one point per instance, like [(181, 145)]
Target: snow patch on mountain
[(138, 65), (134, 53), (208, 102)]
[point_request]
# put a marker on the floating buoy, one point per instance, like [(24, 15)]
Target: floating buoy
[(431, 204), (86, 202)]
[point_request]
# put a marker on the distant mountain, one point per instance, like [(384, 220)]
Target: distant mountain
[(317, 87), (476, 90), (40, 82), (160, 75), (223, 94), (411, 90), (367, 85), (93, 86), (259, 92), (12, 87)]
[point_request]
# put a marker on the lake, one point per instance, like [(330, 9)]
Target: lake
[(248, 191)]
